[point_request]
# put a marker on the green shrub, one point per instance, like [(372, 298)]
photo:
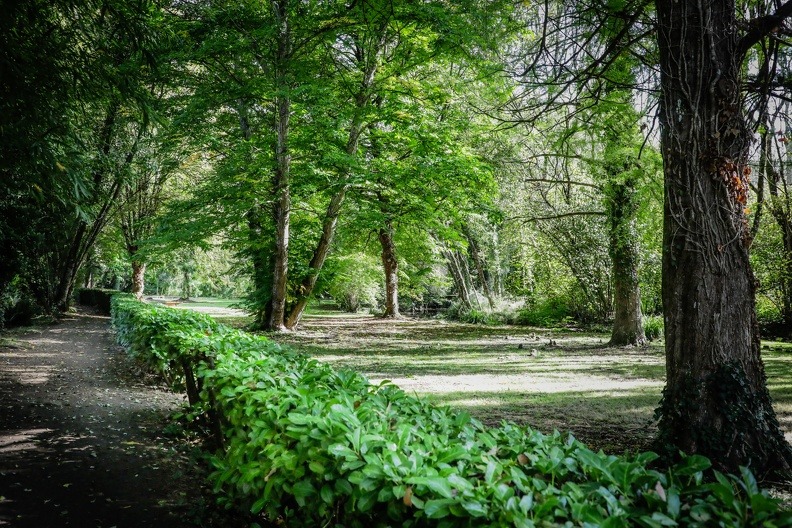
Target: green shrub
[(547, 313), (96, 297), (311, 446), (355, 282), (17, 306), (654, 327)]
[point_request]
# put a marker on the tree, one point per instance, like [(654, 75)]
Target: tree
[(65, 144), (716, 401), (142, 198), (585, 71)]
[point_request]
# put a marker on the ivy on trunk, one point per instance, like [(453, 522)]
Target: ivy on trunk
[(716, 401)]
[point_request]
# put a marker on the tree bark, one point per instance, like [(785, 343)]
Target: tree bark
[(716, 401), (627, 316), (391, 266), (282, 209), (186, 291), (138, 278)]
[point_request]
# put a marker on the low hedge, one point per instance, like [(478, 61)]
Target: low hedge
[(100, 298), (306, 445)]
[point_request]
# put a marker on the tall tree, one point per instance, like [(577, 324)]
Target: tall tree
[(584, 67), (716, 401)]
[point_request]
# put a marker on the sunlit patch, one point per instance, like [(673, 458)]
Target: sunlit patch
[(474, 402), (27, 375), (21, 440), (438, 384), (45, 341)]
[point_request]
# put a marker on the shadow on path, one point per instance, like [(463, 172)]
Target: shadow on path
[(79, 435)]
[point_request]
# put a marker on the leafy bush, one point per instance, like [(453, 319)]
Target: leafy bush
[(17, 306), (549, 312), (311, 446), (99, 298), (459, 312), (771, 322), (355, 282), (653, 327)]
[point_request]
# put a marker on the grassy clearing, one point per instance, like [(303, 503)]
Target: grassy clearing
[(551, 379)]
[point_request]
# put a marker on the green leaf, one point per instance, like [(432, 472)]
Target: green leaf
[(258, 505), (327, 495), (438, 485), (475, 508), (437, 508)]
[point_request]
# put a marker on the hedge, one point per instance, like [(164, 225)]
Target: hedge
[(304, 445)]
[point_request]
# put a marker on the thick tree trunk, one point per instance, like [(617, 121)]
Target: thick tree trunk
[(186, 290), (282, 209), (138, 278), (627, 316), (716, 401), (391, 266)]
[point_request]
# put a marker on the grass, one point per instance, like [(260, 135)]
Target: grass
[(548, 378)]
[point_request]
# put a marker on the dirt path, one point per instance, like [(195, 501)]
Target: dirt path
[(81, 435)]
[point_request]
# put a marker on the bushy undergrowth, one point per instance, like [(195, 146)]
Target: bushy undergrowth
[(306, 445), (654, 327)]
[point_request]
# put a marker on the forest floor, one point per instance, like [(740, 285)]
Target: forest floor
[(84, 436), (562, 379)]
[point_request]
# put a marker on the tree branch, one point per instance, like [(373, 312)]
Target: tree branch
[(763, 26)]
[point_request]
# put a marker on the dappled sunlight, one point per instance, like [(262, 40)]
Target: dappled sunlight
[(551, 379), (21, 440), (521, 383), (45, 341), (35, 375)]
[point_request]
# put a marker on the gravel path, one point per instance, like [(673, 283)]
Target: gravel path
[(81, 435)]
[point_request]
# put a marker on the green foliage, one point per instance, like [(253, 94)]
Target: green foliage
[(654, 327), (311, 446), (548, 312), (355, 281), (459, 312), (17, 306)]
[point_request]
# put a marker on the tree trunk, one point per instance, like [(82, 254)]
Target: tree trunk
[(186, 292), (480, 269), (391, 266), (362, 102), (282, 209), (458, 277), (627, 316), (716, 401), (319, 256), (138, 278)]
